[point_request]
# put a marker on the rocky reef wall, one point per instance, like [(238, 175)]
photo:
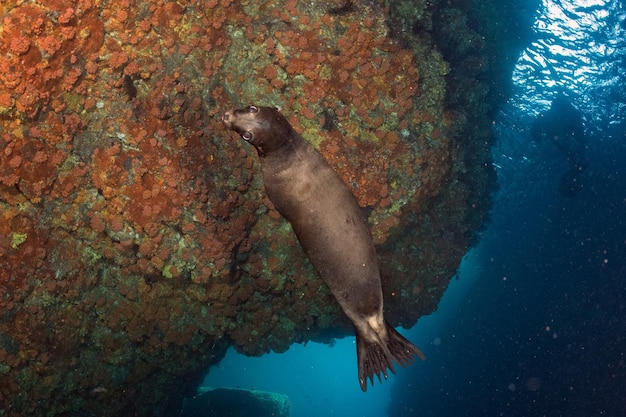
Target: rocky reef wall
[(136, 243)]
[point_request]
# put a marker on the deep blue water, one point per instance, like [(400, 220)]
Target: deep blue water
[(535, 322), (542, 331)]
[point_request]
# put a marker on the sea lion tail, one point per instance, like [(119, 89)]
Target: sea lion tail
[(376, 356)]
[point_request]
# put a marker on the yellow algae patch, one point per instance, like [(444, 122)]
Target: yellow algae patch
[(17, 239)]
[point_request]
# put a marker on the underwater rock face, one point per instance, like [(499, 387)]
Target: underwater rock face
[(136, 243), (237, 402)]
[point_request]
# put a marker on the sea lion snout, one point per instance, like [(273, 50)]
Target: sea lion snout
[(226, 119), (238, 124)]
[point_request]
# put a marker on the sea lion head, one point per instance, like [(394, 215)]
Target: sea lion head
[(263, 127)]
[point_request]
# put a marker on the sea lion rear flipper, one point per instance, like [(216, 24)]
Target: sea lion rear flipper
[(375, 357)]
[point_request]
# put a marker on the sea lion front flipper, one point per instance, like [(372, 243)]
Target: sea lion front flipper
[(376, 356)]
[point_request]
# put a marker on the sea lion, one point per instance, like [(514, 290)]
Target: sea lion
[(331, 229)]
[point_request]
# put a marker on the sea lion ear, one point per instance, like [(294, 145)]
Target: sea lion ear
[(247, 135)]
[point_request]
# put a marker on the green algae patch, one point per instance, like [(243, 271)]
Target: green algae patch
[(17, 239)]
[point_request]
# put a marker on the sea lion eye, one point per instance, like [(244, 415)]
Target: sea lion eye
[(253, 109), (247, 135)]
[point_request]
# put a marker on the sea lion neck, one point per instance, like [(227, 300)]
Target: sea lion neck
[(285, 147)]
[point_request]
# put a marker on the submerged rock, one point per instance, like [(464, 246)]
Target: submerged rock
[(237, 402)]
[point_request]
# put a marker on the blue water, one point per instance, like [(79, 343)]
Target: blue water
[(534, 324), (320, 380), (543, 329)]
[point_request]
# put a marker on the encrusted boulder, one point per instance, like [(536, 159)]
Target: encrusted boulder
[(136, 242), (236, 402)]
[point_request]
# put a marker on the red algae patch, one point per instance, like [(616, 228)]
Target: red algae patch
[(19, 45)]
